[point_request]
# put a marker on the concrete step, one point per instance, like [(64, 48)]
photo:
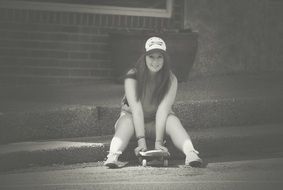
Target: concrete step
[(93, 120), (18, 79), (41, 112), (254, 140)]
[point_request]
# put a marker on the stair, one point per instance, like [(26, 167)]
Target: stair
[(50, 75), (89, 120)]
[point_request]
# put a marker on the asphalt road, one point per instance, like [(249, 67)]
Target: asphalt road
[(246, 174)]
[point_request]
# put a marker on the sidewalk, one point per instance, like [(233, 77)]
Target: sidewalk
[(246, 173), (74, 124)]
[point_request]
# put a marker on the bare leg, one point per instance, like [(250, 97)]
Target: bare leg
[(182, 141), (124, 130), (178, 134)]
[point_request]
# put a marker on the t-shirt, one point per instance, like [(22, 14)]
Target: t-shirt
[(149, 108)]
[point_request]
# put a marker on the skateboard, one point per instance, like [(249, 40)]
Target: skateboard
[(157, 155)]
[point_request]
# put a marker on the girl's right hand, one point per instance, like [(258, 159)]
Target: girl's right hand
[(160, 146), (141, 146)]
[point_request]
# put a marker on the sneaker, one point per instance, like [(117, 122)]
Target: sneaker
[(112, 160), (193, 160)]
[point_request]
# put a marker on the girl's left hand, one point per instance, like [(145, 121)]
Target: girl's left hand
[(159, 146)]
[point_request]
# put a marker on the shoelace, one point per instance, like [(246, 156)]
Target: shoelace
[(195, 151)]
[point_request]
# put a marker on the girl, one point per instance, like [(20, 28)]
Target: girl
[(150, 90)]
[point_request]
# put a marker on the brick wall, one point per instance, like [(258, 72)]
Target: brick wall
[(48, 47)]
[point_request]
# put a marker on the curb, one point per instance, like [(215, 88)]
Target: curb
[(211, 142), (26, 154)]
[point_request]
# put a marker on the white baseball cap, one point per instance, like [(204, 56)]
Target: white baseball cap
[(155, 43)]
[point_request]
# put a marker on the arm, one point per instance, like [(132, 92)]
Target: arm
[(137, 112), (164, 109)]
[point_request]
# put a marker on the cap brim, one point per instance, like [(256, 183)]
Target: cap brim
[(155, 50)]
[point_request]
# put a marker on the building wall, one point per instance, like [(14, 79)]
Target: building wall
[(57, 47), (236, 36), (60, 47)]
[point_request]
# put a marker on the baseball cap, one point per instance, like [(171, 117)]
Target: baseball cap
[(155, 43)]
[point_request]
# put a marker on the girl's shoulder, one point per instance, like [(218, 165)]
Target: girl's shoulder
[(173, 77), (132, 73)]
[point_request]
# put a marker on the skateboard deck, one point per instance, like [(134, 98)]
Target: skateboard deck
[(154, 155)]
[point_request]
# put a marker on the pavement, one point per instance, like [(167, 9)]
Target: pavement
[(45, 125), (245, 173)]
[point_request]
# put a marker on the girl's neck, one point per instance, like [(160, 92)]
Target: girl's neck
[(151, 75)]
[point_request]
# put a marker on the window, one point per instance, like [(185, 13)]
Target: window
[(151, 8)]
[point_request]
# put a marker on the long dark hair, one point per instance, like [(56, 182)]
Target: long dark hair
[(162, 78)]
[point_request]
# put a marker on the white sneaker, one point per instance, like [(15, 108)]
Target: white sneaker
[(193, 160), (112, 160)]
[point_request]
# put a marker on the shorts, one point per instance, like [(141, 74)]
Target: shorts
[(125, 108), (149, 124)]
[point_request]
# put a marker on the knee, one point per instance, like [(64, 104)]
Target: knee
[(172, 120), (125, 120)]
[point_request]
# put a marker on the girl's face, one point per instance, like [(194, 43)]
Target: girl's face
[(154, 61)]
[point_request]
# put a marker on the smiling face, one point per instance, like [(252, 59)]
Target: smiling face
[(154, 61)]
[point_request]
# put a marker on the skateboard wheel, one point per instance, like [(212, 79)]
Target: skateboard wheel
[(144, 162), (165, 163)]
